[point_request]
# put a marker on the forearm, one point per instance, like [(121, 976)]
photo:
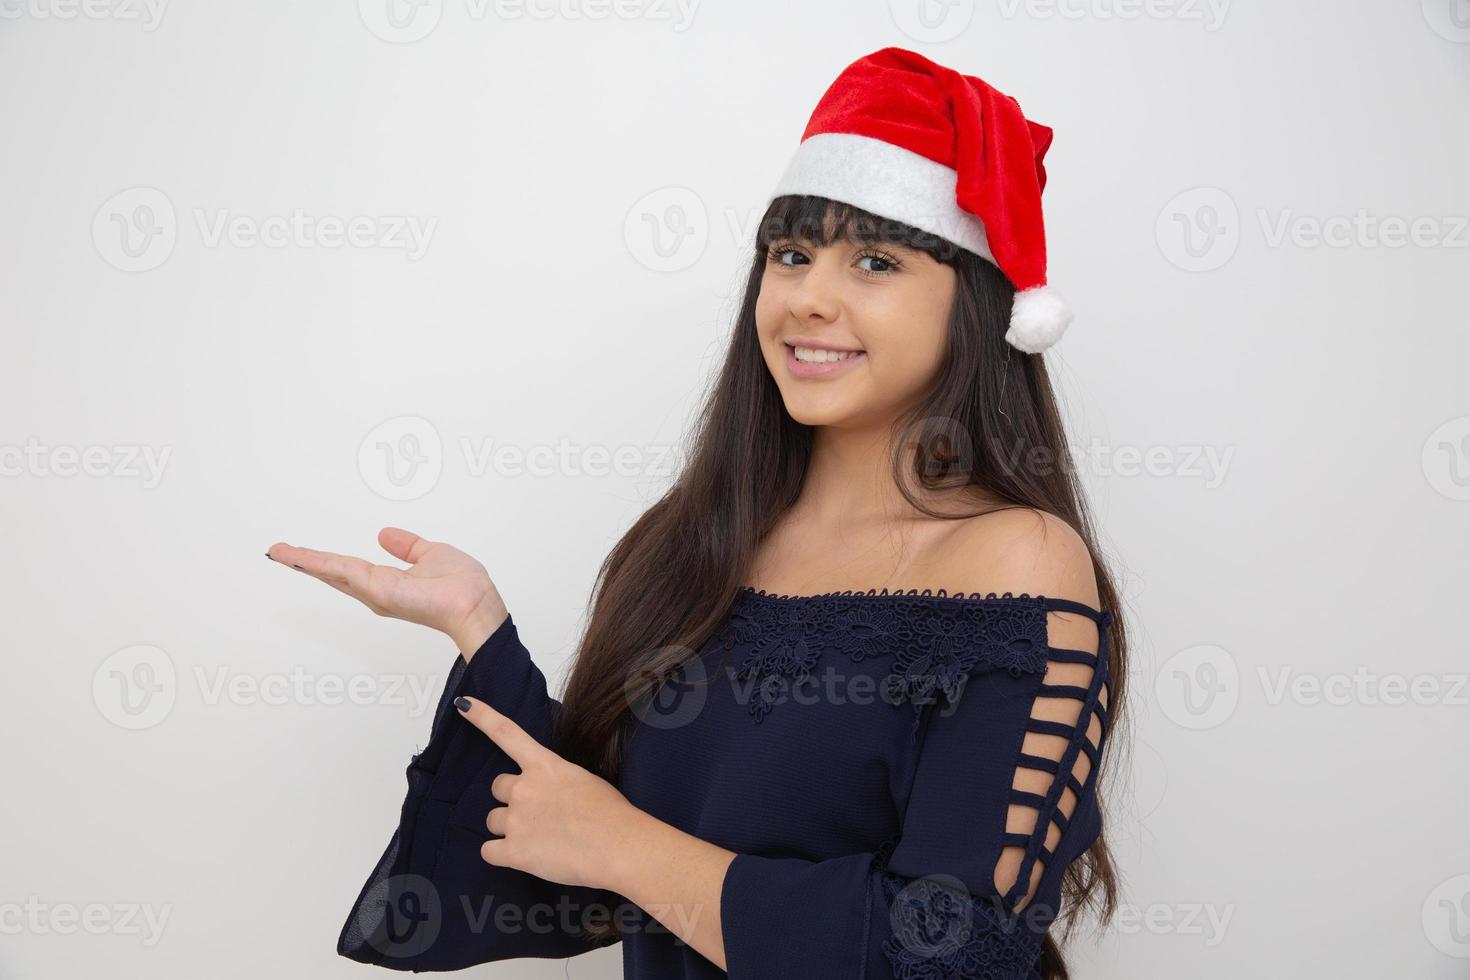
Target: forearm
[(676, 878)]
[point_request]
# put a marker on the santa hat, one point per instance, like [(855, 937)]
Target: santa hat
[(913, 141)]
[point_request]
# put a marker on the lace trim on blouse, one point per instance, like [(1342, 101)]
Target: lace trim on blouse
[(937, 639), (940, 931)]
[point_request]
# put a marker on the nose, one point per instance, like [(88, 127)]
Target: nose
[(817, 295)]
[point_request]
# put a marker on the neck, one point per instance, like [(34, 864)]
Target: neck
[(850, 480)]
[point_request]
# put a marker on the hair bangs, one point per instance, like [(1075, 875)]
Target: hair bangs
[(820, 221)]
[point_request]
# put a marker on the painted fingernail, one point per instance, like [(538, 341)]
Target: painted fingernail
[(463, 704), (268, 555)]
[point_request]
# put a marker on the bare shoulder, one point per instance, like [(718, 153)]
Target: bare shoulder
[(1021, 549)]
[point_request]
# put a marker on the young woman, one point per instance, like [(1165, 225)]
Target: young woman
[(804, 735)]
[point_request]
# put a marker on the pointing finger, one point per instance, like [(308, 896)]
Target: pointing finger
[(515, 740)]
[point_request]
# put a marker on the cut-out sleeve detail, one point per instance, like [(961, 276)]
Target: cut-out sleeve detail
[(432, 903), (968, 888), (1059, 751)]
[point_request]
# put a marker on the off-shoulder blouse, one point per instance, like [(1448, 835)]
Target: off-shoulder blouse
[(869, 756)]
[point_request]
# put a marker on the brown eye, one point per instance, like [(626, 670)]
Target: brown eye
[(775, 253), (885, 264)]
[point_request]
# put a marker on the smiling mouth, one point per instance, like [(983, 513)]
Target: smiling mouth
[(822, 355), (816, 363)]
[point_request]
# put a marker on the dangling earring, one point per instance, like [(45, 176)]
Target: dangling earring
[(1005, 375)]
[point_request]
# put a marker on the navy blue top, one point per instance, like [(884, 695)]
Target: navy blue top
[(869, 756)]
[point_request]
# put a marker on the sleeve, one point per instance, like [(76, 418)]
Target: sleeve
[(1001, 799), (432, 903)]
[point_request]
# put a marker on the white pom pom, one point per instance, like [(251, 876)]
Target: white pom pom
[(1039, 316)]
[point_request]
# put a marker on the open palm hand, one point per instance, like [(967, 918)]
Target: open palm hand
[(443, 588)]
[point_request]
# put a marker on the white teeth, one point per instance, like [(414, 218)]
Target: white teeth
[(813, 355)]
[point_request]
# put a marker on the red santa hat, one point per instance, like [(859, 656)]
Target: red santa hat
[(911, 140)]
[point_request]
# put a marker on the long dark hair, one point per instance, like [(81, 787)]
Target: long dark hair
[(668, 584)]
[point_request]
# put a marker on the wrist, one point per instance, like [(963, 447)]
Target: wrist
[(634, 841), (472, 632)]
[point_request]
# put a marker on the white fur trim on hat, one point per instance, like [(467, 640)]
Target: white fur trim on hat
[(888, 181), (1039, 317)]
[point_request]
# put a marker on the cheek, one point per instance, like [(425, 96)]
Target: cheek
[(908, 331), (770, 307)]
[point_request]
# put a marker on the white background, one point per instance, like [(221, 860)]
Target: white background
[(1291, 833)]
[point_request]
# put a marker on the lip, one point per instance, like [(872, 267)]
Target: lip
[(827, 369)]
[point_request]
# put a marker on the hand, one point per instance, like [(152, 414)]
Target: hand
[(561, 822), (445, 589)]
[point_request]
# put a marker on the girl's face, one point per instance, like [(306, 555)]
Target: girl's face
[(885, 306)]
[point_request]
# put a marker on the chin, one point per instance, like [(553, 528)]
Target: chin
[(817, 414)]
